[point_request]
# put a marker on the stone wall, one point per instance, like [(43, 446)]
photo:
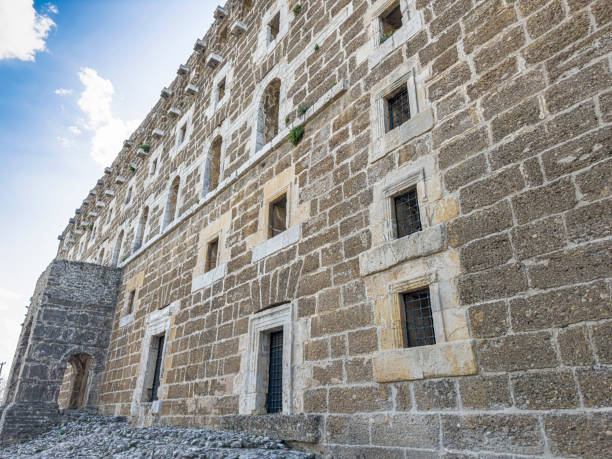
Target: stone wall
[(508, 146), (70, 315)]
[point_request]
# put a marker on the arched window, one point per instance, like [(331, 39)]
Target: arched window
[(267, 119), (212, 168), (172, 202), (138, 240), (117, 251)]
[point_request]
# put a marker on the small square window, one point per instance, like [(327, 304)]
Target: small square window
[(274, 27), (278, 216), (407, 215), (212, 254), (390, 22), (398, 108), (182, 134), (130, 305), (221, 90), (419, 320), (153, 167)]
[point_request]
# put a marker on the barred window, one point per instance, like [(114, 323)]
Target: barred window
[(274, 399), (407, 216), (278, 216), (211, 256), (398, 107), (419, 320)]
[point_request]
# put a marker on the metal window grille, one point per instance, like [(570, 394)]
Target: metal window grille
[(399, 108), (157, 371), (274, 401), (407, 216), (419, 321)]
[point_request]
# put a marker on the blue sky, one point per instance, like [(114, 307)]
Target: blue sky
[(75, 78)]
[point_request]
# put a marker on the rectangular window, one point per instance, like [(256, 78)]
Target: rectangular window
[(182, 134), (130, 305), (278, 216), (398, 108), (274, 27), (390, 22), (274, 399), (158, 347), (221, 90), (153, 167), (419, 320), (212, 254), (407, 216)]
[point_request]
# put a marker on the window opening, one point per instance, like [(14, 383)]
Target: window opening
[(274, 399), (390, 22), (398, 106), (274, 27), (130, 306), (221, 90), (278, 216), (128, 196), (407, 216), (212, 254), (419, 320), (153, 167), (182, 133), (157, 370), (215, 163)]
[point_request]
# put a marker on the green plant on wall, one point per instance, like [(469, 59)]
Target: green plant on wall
[(287, 120), (316, 48), (385, 36), (90, 227), (302, 109), (132, 169), (145, 147), (297, 9), (296, 134)]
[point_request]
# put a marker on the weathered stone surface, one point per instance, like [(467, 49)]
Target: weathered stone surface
[(575, 434), (544, 390), (485, 392), (517, 352)]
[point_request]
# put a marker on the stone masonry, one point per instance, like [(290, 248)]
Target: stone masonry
[(495, 117), (69, 318)]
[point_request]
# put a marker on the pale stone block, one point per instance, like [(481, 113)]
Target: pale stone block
[(454, 358), (209, 278), (279, 242), (444, 210), (420, 244), (398, 365)]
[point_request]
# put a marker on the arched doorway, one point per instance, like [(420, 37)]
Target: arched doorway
[(75, 384)]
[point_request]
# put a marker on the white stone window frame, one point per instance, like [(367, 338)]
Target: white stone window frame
[(421, 118), (156, 155), (166, 222), (265, 45), (411, 24), (125, 317), (282, 240), (414, 179), (253, 396), (158, 323), (226, 72), (185, 121), (212, 276), (278, 72), (224, 132)]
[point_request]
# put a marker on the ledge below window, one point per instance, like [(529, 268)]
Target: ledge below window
[(419, 244), (270, 246), (126, 319), (452, 358), (209, 278), (418, 125)]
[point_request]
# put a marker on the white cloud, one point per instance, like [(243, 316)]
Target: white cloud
[(51, 8), (75, 130), (63, 92), (23, 31), (64, 142), (109, 131)]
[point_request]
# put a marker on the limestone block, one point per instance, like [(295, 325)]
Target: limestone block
[(199, 45), (183, 69), (165, 93)]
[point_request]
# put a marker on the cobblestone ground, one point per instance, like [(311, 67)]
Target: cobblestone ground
[(89, 436)]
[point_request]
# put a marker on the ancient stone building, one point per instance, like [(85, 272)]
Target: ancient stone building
[(370, 228)]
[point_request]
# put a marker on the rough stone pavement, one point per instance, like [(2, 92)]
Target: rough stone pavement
[(84, 435)]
